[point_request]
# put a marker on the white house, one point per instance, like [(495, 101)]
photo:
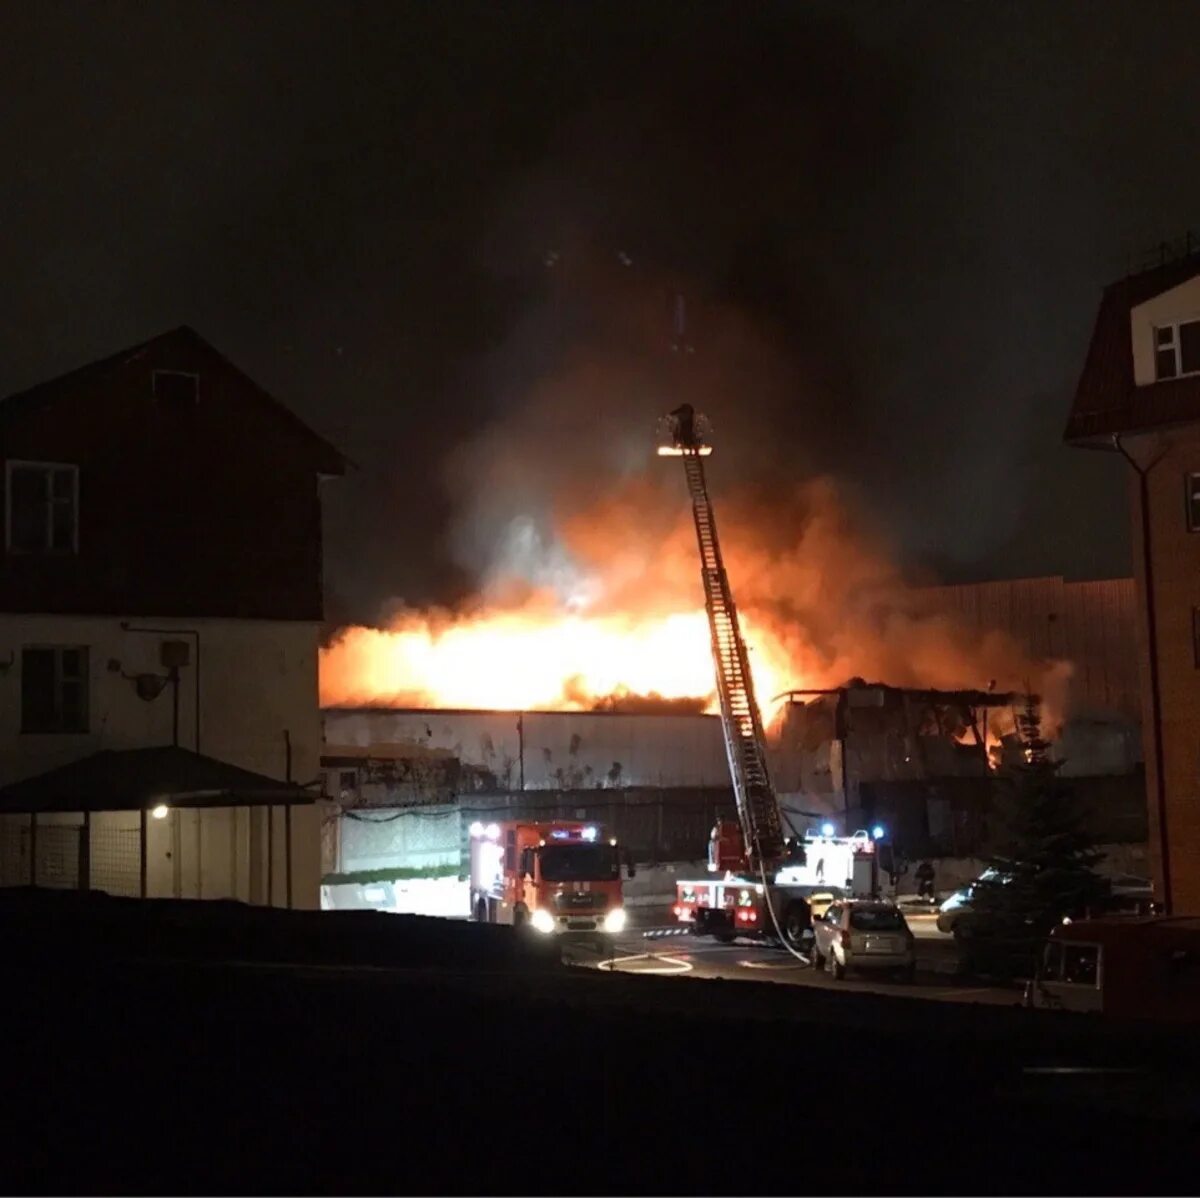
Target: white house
[(161, 589)]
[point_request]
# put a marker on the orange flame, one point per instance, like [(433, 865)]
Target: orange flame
[(819, 603), (530, 659)]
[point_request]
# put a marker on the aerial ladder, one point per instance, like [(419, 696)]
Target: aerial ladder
[(765, 886)]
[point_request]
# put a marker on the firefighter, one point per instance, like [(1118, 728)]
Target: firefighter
[(924, 876), (685, 426)]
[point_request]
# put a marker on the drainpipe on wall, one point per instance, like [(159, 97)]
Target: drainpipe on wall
[(1152, 646)]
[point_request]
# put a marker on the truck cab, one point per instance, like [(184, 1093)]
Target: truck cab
[(1134, 968), (555, 877)]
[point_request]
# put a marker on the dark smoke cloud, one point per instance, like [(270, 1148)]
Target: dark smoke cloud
[(903, 213)]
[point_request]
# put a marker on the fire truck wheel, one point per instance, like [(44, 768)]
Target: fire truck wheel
[(794, 924), (481, 911), (520, 915), (836, 968)]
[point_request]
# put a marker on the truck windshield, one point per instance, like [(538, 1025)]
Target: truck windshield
[(580, 863)]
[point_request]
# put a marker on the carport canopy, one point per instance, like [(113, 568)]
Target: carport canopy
[(140, 780)]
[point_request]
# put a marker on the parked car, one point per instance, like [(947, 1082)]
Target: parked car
[(1128, 894), (959, 903), (863, 934)]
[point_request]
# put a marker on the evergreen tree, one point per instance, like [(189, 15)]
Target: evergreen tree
[(1041, 864)]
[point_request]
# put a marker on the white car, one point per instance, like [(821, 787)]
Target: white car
[(864, 934)]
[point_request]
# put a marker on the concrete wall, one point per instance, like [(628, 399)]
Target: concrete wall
[(548, 750), (258, 679), (413, 838)]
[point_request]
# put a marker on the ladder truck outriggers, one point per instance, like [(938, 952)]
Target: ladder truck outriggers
[(761, 883)]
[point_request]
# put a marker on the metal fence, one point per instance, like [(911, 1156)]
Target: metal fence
[(116, 863)]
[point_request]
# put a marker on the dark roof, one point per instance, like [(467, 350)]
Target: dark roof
[(1106, 399), (328, 459), (959, 698), (134, 779)]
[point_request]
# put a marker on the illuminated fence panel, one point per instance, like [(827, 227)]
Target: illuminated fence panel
[(58, 857), (115, 864), (14, 850)]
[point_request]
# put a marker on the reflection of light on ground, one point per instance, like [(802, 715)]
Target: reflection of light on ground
[(774, 965), (672, 965)]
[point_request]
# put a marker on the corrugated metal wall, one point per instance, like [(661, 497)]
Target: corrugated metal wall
[(1091, 624)]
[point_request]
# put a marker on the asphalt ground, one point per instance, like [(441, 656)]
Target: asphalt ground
[(440, 1068)]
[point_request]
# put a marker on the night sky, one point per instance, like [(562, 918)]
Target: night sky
[(405, 220)]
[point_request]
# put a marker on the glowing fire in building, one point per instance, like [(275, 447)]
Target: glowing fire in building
[(536, 660), (819, 604)]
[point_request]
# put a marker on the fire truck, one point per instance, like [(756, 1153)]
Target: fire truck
[(767, 882), (557, 878), (816, 869)]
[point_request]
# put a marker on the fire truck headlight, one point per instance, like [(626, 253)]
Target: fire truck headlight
[(476, 829), (827, 829), (877, 832), (542, 920), (614, 921), (589, 834)]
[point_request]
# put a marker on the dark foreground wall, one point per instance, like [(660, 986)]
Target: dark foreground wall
[(186, 1077), (40, 926)]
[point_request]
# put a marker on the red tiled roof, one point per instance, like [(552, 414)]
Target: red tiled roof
[(1106, 399)]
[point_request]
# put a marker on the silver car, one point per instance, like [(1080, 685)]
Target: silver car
[(863, 934)]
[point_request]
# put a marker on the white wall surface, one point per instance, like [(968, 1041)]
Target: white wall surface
[(1179, 304), (561, 750), (258, 678)]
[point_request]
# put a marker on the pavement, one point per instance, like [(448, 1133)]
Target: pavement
[(662, 949)]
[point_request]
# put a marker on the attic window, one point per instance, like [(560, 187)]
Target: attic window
[(1177, 349), (176, 388)]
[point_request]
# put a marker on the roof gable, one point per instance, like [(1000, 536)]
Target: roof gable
[(1107, 398), (182, 345)]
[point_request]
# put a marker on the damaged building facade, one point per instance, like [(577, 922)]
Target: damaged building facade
[(408, 782)]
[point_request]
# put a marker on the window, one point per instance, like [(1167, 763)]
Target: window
[(176, 389), (876, 919), (1177, 349), (43, 507), (580, 863), (348, 779), (54, 690), (1192, 499), (1080, 964)]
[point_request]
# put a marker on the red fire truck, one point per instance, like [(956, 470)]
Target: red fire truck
[(765, 881), (732, 900), (558, 877)]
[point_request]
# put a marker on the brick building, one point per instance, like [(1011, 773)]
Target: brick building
[(1139, 396)]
